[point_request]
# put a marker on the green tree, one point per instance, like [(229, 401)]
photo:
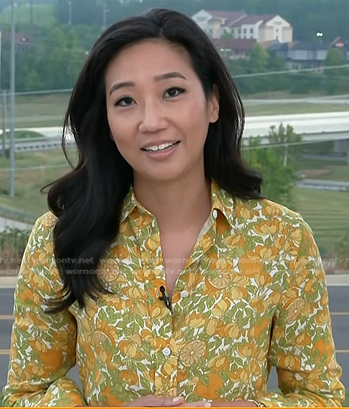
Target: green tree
[(82, 11), (54, 72), (335, 77), (259, 58), (276, 164), (75, 55), (257, 63), (32, 80), (289, 150), (277, 82), (64, 57)]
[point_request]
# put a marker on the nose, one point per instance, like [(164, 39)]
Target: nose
[(152, 119)]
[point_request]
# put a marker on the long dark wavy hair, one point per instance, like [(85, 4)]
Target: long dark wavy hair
[(88, 200)]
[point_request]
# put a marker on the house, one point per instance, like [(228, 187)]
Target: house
[(235, 48), (217, 23), (303, 54), (235, 33), (237, 24), (22, 41), (307, 55), (263, 28), (342, 45)]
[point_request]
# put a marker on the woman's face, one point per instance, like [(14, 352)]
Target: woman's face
[(157, 111)]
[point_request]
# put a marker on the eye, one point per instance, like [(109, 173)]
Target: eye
[(124, 102), (174, 92)]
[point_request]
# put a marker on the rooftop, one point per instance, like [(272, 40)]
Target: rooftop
[(230, 16), (253, 19)]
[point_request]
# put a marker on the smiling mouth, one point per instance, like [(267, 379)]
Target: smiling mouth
[(160, 148)]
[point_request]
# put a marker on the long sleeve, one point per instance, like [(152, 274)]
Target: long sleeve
[(302, 347), (43, 345)]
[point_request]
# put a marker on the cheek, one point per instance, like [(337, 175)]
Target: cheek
[(197, 120), (118, 129)]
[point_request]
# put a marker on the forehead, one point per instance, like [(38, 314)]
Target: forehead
[(150, 55)]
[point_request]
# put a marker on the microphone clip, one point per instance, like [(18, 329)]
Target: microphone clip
[(165, 298)]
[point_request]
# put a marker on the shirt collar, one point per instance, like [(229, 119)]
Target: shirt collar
[(221, 200), (130, 204)]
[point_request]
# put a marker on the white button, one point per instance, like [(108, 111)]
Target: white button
[(166, 351), (184, 293), (215, 214)]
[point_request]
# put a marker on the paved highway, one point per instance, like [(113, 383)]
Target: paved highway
[(339, 306), (329, 122), (324, 184)]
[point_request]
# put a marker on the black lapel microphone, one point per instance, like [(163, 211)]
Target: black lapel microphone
[(165, 298)]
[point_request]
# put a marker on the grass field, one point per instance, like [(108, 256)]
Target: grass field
[(293, 108), (33, 171), (336, 169), (41, 110), (327, 214)]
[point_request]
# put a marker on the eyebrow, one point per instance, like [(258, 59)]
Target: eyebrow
[(161, 77)]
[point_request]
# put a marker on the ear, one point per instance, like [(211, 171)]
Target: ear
[(214, 105)]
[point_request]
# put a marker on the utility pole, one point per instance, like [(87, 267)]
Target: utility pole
[(31, 22), (69, 13), (105, 12), (3, 106), (12, 99)]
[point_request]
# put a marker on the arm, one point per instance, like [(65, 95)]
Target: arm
[(302, 347), (42, 345)]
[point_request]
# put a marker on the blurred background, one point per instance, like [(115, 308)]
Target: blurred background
[(289, 59)]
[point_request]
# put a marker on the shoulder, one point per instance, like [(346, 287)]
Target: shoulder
[(45, 222), (252, 210), (265, 209), (279, 221), (264, 217), (42, 232)]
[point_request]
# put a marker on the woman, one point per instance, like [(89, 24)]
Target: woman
[(161, 269)]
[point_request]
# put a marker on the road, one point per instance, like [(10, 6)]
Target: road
[(339, 307), (324, 184), (336, 99), (329, 122)]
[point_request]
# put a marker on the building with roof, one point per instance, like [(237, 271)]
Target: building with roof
[(237, 24), (217, 23), (235, 48), (303, 54), (263, 28), (235, 33)]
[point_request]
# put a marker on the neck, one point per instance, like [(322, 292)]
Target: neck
[(178, 205)]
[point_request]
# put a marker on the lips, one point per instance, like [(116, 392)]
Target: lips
[(159, 147)]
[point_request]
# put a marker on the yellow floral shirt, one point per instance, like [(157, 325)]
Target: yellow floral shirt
[(252, 296)]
